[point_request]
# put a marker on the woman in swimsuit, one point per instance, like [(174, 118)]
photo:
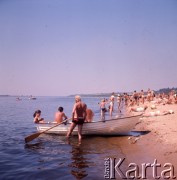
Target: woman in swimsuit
[(37, 118)]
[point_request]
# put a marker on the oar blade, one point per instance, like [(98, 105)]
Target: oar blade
[(31, 137)]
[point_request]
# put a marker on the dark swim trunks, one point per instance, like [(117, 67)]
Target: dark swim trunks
[(79, 121), (103, 109)]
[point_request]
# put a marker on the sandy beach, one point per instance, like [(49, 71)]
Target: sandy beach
[(158, 141)]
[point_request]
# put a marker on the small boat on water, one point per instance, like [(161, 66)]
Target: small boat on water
[(116, 126), (32, 98), (18, 99)]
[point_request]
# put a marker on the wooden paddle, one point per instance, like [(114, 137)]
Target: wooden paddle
[(35, 135)]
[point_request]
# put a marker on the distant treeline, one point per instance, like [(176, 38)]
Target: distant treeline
[(163, 90), (94, 95), (166, 90)]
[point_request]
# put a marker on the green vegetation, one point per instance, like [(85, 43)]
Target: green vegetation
[(166, 90)]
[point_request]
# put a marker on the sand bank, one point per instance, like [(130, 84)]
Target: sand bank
[(158, 141)]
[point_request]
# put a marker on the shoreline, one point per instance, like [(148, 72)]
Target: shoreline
[(158, 142)]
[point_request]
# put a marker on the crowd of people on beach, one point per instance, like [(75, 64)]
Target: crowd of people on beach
[(138, 102), (151, 100), (135, 102)]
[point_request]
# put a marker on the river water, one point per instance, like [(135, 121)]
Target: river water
[(50, 156)]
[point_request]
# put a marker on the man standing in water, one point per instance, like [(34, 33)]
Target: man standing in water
[(78, 117), (111, 105)]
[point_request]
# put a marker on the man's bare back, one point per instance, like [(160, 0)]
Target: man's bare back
[(80, 110)]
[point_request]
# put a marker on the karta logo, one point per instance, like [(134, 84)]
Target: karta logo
[(113, 170)]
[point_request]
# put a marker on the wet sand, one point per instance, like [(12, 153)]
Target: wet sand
[(158, 140)]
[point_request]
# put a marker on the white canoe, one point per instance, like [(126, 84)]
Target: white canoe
[(115, 126)]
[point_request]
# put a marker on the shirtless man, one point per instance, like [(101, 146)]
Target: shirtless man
[(60, 115), (136, 97), (103, 109), (78, 117)]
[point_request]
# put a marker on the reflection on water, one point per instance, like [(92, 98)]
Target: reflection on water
[(73, 161), (34, 146), (79, 163)]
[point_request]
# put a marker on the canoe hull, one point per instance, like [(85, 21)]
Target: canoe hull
[(116, 126)]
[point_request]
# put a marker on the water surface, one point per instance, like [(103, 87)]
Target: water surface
[(50, 156)]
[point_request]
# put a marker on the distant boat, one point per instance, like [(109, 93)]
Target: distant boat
[(32, 98), (117, 126), (18, 99)]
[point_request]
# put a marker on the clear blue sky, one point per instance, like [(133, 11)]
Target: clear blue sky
[(63, 47)]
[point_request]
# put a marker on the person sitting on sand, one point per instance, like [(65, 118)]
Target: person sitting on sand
[(158, 113), (37, 118), (138, 109), (60, 115), (89, 116)]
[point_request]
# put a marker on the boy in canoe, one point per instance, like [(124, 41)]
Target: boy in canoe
[(60, 115)]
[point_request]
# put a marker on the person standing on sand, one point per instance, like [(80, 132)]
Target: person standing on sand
[(142, 96), (136, 97), (78, 117), (119, 100), (60, 115)]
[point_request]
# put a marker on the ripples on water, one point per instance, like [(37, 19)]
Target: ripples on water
[(49, 156)]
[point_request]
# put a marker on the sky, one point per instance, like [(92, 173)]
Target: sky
[(63, 47)]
